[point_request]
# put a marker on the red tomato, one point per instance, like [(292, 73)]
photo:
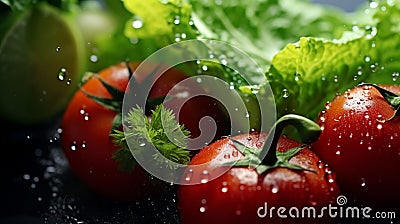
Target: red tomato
[(362, 146), (86, 126), (240, 194)]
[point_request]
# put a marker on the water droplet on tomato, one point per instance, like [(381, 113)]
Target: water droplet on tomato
[(275, 189), (73, 146), (238, 212), (189, 175), (320, 164), (379, 126), (202, 209), (224, 189), (205, 176)]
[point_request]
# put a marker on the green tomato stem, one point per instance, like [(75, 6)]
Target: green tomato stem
[(308, 130)]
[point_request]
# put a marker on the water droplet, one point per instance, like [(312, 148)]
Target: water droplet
[(137, 23), (238, 212), (379, 126), (335, 79), (58, 49), (395, 76), (141, 142), (205, 177), (93, 58), (373, 5), (84, 144), (134, 40), (202, 209), (296, 76), (224, 189), (69, 82), (177, 20), (363, 182), (204, 68), (73, 146), (62, 74), (320, 164), (275, 189), (189, 175), (26, 177), (285, 93), (198, 80), (247, 114), (367, 59), (86, 117)]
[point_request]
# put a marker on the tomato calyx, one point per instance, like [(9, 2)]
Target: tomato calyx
[(392, 98), (269, 157), (117, 96)]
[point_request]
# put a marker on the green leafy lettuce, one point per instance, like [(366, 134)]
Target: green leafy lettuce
[(310, 72), (262, 28)]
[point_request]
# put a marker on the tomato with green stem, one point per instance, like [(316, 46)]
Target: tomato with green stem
[(290, 175), (360, 141)]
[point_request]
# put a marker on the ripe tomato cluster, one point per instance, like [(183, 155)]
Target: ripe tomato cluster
[(86, 127), (353, 150)]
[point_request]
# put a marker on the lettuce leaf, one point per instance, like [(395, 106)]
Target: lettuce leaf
[(312, 71), (262, 28)]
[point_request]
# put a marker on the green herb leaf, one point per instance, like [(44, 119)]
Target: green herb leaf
[(163, 132)]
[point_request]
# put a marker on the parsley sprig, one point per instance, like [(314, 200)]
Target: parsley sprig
[(160, 130)]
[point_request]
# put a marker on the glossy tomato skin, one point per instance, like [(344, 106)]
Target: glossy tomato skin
[(237, 195), (86, 126), (89, 148), (362, 146)]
